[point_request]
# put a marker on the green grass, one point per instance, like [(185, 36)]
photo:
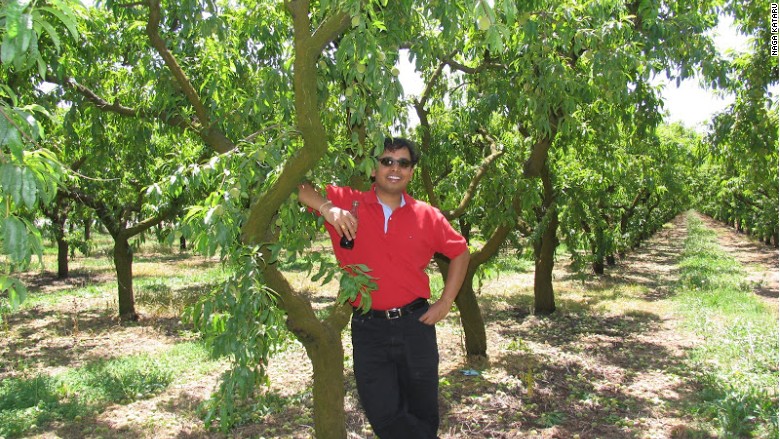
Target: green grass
[(736, 365), (28, 403)]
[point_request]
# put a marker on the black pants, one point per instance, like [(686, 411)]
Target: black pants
[(397, 374)]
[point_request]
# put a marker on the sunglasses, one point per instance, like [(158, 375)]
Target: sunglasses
[(389, 162)]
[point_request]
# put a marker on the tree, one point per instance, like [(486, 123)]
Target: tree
[(28, 172), (290, 65), (741, 156), (571, 69), (620, 193), (463, 171)]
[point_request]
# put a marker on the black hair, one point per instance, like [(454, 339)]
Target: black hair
[(396, 143)]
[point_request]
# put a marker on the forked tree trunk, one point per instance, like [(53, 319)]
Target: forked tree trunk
[(322, 341), (123, 263), (544, 250)]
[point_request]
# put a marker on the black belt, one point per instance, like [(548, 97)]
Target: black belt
[(391, 313)]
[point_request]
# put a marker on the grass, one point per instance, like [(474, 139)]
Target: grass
[(83, 392), (737, 361)]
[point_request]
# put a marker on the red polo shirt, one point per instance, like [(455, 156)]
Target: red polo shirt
[(397, 258)]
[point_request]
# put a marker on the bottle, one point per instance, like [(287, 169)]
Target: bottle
[(346, 242)]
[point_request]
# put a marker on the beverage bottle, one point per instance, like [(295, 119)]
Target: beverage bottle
[(346, 242)]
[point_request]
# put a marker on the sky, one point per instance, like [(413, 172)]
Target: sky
[(689, 103), (693, 105)]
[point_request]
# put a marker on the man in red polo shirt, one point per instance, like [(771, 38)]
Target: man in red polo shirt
[(396, 358)]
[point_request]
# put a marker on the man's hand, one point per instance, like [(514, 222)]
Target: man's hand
[(343, 220), (455, 275), (436, 312)]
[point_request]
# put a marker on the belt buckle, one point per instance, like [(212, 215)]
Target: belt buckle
[(393, 314)]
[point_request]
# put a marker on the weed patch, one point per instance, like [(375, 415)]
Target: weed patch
[(29, 403), (737, 363)]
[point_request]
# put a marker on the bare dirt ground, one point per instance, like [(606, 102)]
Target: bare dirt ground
[(608, 364), (759, 260)]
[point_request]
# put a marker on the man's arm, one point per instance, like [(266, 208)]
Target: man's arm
[(455, 275), (341, 219)]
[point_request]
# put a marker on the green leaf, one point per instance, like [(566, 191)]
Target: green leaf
[(14, 11), (25, 32), (11, 181), (64, 17), (15, 243), (16, 293), (4, 127), (14, 141), (8, 50), (55, 38), (29, 188)]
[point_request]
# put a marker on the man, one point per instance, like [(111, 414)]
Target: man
[(395, 353)]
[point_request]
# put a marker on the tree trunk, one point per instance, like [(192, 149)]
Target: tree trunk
[(544, 250), (87, 229), (471, 320), (58, 222), (327, 358), (123, 262), (600, 250), (611, 260), (322, 340), (62, 256), (182, 243), (465, 229)]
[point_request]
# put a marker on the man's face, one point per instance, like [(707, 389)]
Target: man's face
[(394, 171)]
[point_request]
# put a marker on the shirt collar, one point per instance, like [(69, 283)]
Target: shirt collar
[(370, 197)]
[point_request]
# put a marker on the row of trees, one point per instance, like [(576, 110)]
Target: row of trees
[(199, 118), (740, 177)]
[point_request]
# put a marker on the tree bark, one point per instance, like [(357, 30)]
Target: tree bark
[(471, 320), (327, 359), (322, 341), (544, 249), (62, 253), (123, 263), (475, 337), (600, 250)]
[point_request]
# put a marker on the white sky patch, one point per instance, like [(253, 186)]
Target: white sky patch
[(693, 105)]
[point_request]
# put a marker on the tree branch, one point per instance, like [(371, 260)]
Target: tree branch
[(496, 152), (473, 70), (307, 112), (152, 221), (425, 124), (492, 245), (210, 133), (329, 30), (534, 165)]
